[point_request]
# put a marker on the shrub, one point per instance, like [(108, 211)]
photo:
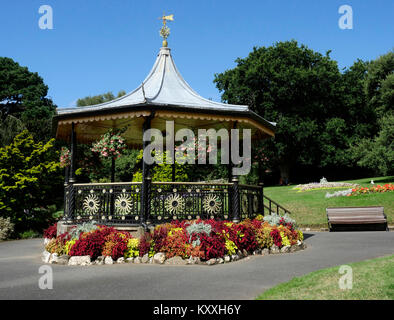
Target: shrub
[(28, 234), (132, 248), (245, 238), (91, 243), (115, 244), (197, 229), (276, 237), (160, 234), (6, 228), (51, 232), (144, 246), (275, 220), (213, 246), (68, 245), (176, 243), (82, 228), (30, 177), (56, 245)]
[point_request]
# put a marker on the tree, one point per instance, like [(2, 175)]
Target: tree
[(101, 98), (379, 84), (293, 86), (29, 179), (9, 129), (23, 95), (353, 120), (378, 153)]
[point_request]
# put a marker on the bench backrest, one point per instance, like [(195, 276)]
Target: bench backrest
[(349, 211)]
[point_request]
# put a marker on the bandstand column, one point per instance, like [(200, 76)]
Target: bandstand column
[(146, 179), (70, 191), (230, 177), (73, 154), (261, 184), (235, 198)]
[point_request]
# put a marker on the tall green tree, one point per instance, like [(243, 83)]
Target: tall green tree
[(293, 86), (377, 154), (354, 119), (379, 84), (100, 98), (9, 129), (23, 95), (376, 151)]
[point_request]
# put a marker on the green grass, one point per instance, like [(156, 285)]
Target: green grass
[(372, 279), (308, 208)]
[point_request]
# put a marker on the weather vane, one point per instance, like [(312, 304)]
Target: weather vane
[(165, 31)]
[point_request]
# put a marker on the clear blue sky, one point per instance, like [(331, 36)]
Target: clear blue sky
[(100, 45)]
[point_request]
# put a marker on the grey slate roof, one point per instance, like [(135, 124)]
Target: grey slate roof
[(163, 86)]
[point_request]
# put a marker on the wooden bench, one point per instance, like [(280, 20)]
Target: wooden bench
[(346, 218)]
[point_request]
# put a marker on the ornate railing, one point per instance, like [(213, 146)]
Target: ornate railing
[(178, 200), (250, 198), (121, 203), (111, 203), (270, 206)]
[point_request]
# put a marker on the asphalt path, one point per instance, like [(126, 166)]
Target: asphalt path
[(245, 279)]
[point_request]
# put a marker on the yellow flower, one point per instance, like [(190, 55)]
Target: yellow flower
[(285, 240), (132, 248), (300, 235), (68, 246), (231, 247), (174, 230)]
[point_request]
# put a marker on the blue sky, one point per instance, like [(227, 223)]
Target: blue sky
[(99, 45)]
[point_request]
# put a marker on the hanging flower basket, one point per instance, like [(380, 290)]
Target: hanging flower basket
[(65, 157), (110, 145)]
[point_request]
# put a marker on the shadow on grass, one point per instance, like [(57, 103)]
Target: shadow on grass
[(384, 180)]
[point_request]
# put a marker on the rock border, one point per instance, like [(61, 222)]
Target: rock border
[(160, 258)]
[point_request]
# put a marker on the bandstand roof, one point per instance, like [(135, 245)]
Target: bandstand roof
[(163, 95)]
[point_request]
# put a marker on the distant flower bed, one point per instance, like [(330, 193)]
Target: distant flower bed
[(200, 239), (325, 185), (375, 189)]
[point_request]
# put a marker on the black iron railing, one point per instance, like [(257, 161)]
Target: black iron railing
[(111, 203), (121, 203), (270, 206)]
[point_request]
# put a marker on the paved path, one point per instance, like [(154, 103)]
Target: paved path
[(245, 279)]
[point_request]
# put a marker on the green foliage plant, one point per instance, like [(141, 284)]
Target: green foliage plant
[(29, 174)]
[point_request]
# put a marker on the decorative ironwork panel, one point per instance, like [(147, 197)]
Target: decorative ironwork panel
[(250, 201), (120, 203), (179, 201), (109, 203)]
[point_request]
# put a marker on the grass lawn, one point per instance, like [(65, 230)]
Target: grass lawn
[(372, 279), (308, 208)]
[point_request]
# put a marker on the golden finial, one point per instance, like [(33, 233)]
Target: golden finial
[(165, 31)]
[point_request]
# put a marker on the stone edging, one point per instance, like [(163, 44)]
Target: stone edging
[(159, 258)]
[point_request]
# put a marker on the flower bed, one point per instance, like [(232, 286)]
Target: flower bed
[(179, 242), (321, 186), (375, 189)]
